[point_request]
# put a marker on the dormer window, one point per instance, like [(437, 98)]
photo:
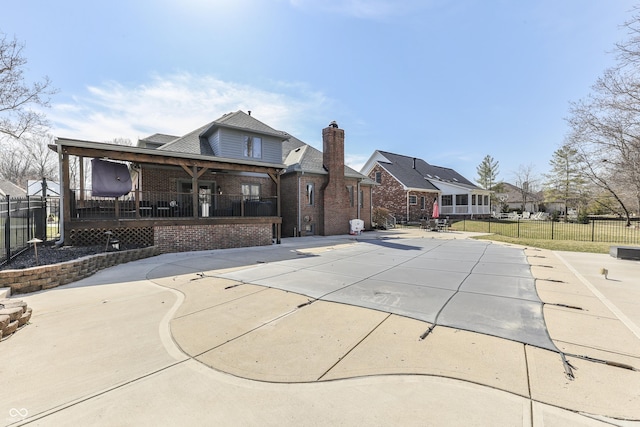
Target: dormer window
[(253, 147)]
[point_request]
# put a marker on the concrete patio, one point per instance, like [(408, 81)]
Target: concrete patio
[(325, 331)]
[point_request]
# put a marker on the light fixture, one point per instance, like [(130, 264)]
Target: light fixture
[(219, 190)]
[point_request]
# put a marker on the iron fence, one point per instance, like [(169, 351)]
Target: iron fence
[(26, 218), (594, 229)]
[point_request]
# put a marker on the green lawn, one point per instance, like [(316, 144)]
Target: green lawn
[(597, 236)]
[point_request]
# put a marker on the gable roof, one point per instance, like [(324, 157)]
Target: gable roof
[(301, 157), (8, 188), (195, 142), (159, 138), (418, 174)]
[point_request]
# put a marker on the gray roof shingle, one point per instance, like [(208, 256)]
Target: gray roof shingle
[(416, 173)]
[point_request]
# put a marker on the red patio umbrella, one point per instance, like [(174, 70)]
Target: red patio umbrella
[(436, 210)]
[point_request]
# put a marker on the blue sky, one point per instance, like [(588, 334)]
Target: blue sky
[(445, 81)]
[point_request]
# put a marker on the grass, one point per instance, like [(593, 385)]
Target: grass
[(596, 237), (554, 245)]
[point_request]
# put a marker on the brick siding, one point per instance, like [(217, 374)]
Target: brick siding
[(182, 238), (391, 195)]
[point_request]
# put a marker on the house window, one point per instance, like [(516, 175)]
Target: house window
[(473, 199), (422, 202), (379, 177), (253, 147), (413, 200), (251, 191), (310, 193), (350, 191), (486, 200), (462, 199), (361, 198), (447, 200)]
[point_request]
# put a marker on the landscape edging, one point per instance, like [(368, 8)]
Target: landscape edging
[(50, 276)]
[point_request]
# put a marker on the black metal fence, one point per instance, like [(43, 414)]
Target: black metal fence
[(24, 219), (594, 229)]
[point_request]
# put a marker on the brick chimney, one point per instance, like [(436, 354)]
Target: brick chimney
[(336, 198)]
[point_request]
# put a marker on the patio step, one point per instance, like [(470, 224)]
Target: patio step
[(14, 314)]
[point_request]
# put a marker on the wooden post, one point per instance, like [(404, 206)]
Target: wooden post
[(66, 196)]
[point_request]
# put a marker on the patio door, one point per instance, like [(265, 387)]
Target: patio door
[(206, 201)]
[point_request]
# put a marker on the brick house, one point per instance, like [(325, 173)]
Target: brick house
[(215, 187), (408, 188), (320, 193), (230, 183)]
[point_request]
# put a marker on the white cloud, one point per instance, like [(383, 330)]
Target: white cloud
[(179, 103)]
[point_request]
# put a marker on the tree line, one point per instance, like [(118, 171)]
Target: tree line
[(596, 170)]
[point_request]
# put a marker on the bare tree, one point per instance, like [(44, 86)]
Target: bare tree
[(527, 181), (29, 159), (16, 96), (605, 127)]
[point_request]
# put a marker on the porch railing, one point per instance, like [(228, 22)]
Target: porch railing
[(155, 205)]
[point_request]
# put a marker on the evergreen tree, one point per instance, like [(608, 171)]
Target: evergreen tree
[(565, 182), (487, 172)]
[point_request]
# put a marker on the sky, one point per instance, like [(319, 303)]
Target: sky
[(447, 81)]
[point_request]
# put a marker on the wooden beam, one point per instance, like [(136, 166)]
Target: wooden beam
[(188, 170), (164, 160), (82, 180), (66, 195), (195, 197), (202, 172)]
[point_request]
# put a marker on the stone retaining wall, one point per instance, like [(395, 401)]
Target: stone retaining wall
[(49, 276)]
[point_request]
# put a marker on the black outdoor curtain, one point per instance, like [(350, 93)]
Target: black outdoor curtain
[(109, 179)]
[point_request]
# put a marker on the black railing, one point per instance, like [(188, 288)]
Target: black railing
[(593, 229), (156, 205), (24, 219)]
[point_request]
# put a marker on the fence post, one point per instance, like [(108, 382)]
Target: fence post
[(552, 222), (7, 230), (29, 230), (593, 225), (518, 233), (45, 210)]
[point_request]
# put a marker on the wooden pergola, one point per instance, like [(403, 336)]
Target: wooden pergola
[(195, 165)]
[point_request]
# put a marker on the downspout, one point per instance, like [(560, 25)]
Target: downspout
[(358, 198), (298, 232), (407, 206), (61, 201)]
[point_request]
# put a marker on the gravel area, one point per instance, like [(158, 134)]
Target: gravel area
[(50, 254)]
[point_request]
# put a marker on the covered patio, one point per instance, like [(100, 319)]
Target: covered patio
[(178, 201)]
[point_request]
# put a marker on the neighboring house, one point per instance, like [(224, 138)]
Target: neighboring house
[(221, 185), (320, 194), (408, 188), (511, 199), (8, 188), (35, 187)]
